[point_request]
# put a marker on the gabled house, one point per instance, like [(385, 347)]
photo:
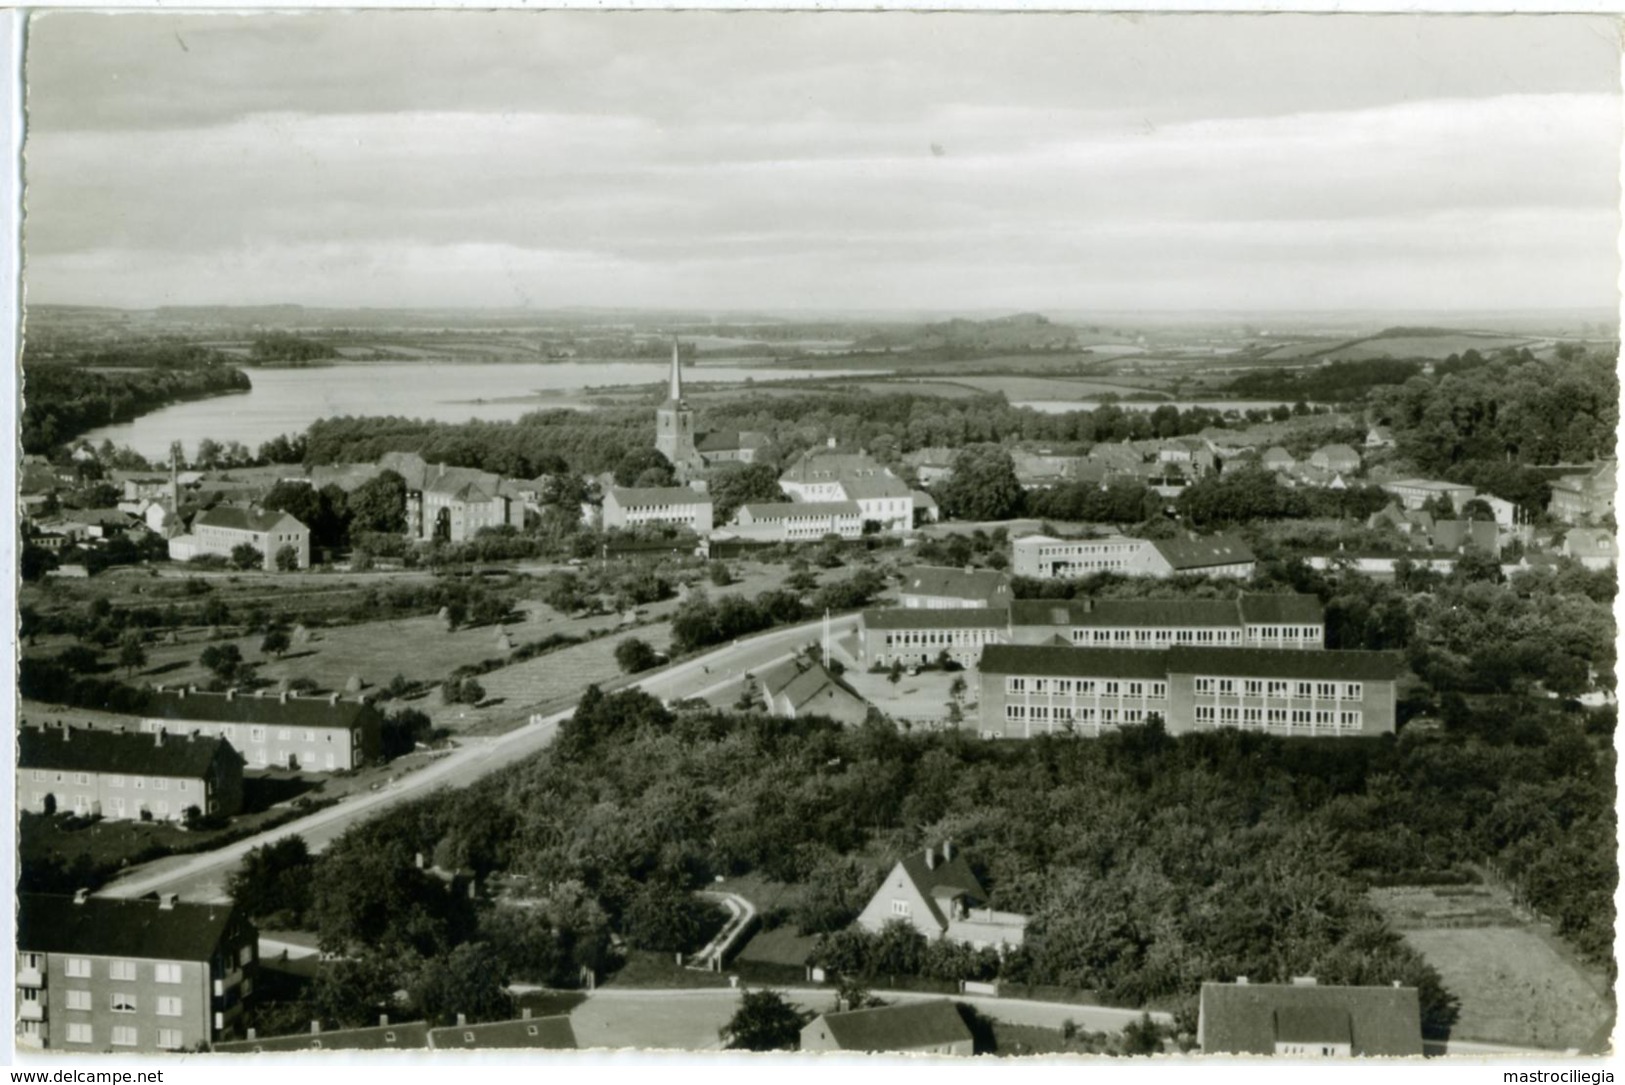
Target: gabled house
[(1302, 1019), (1586, 495), (933, 586), (1593, 547), (223, 528), (119, 775), (796, 688), (1379, 437), (938, 894), (923, 1028)]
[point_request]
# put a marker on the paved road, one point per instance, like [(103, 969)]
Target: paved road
[(203, 877)]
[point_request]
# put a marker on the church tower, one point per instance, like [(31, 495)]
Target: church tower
[(674, 423)]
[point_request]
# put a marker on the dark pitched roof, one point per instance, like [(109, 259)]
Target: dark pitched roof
[(1126, 612), (241, 519), (196, 707), (1249, 1018), (105, 927), (955, 583), (729, 440), (1200, 553), (937, 618), (1285, 663), (902, 1027), (659, 496), (183, 756), (411, 1035), (874, 486), (547, 1033), (827, 465), (949, 878), (1041, 659), (1282, 609)]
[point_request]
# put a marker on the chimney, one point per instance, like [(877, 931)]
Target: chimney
[(1397, 985), (181, 693), (462, 1019), (81, 895), (158, 738), (1303, 981), (282, 698), (332, 698), (947, 851), (524, 1014), (831, 442), (231, 694), (315, 1027), (251, 1033), (419, 860), (442, 472), (67, 733), (166, 901), (383, 1020), (1241, 981), (930, 858)]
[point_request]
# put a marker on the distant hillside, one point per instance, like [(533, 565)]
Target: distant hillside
[(1024, 331), (1420, 344)]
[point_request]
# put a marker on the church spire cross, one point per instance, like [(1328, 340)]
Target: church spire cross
[(676, 374)]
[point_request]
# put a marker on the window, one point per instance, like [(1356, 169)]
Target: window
[(39, 775), (1227, 685), (1063, 685), (1112, 689), (1136, 689), (1015, 685), (78, 967), (1086, 686), (166, 973), (256, 734), (1228, 714), (1204, 685), (169, 1006), (124, 1035), (1353, 691), (1305, 689), (79, 1034), (1040, 685), (79, 1000), (899, 907), (1276, 689), (1328, 690), (1350, 720), (1252, 715), (115, 781), (122, 1002), (310, 735), (1252, 687), (140, 783), (81, 778), (169, 1039), (34, 961), (1015, 711), (1277, 715), (1300, 715), (121, 970), (183, 785), (30, 994), (159, 784), (284, 734), (1159, 690), (1323, 715)]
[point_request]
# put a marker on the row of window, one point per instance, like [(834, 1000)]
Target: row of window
[(1061, 714), (1231, 716), (1273, 687), (118, 1001), (931, 638), (257, 733), (1088, 687), (1157, 636), (169, 1039), (82, 779)]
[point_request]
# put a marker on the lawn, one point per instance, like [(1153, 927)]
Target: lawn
[(660, 970), (781, 945)]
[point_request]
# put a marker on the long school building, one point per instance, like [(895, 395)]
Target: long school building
[(1033, 690)]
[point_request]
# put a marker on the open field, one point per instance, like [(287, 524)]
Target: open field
[(1437, 347), (1517, 984), (1019, 388)]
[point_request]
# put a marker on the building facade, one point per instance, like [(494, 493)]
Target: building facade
[(125, 776), (936, 892), (222, 529), (98, 975), (916, 1028), (1250, 621), (1046, 558), (1304, 1019), (1033, 690), (309, 734), (1413, 493), (797, 521), (678, 506), (931, 587), (919, 636)]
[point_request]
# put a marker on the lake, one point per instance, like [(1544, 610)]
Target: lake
[(289, 400)]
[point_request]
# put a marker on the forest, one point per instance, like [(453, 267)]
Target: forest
[(1147, 863), (61, 401)]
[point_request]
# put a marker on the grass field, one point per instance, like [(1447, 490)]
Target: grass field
[(1437, 347), (1517, 984), (1023, 388)]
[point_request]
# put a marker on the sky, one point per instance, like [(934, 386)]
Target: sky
[(775, 161)]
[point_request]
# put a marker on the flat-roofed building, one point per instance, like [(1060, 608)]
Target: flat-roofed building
[(1257, 621), (1028, 690), (797, 521), (679, 506), (1046, 558), (310, 734), (97, 975), (918, 636), (934, 586), (1303, 1019), (126, 776)]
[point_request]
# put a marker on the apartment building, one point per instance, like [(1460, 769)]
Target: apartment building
[(1046, 558), (126, 776), (220, 530), (310, 734), (1254, 621), (932, 586), (918, 636), (1029, 690), (98, 975), (797, 521), (678, 506)]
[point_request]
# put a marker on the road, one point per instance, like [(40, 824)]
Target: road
[(203, 877)]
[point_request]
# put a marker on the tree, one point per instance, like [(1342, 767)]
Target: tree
[(379, 504), (247, 556), (467, 982), (644, 466), (273, 882), (732, 487), (666, 919), (224, 660), (984, 485), (402, 731), (275, 643), (132, 653), (215, 612), (765, 1021), (634, 655), (287, 559)]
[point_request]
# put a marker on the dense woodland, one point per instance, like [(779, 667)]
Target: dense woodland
[(60, 402)]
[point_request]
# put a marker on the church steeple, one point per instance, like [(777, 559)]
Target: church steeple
[(676, 393)]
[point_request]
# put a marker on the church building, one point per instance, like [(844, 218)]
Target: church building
[(674, 427)]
